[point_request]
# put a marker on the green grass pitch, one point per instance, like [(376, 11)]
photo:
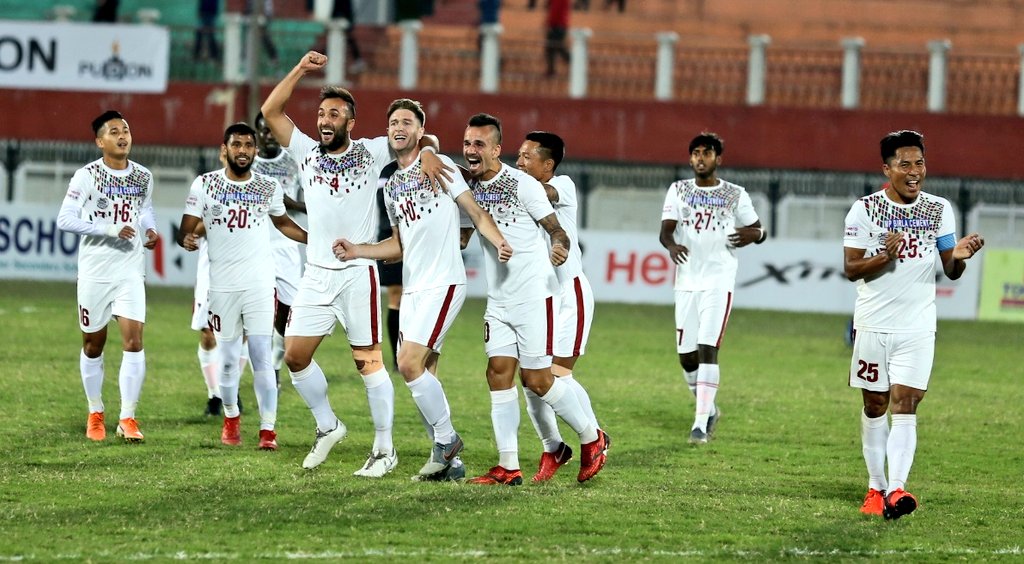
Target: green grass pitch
[(783, 479)]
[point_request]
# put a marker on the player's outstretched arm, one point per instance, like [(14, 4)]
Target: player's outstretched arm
[(857, 266), (287, 226), (273, 107), (485, 223), (388, 250), (293, 205), (431, 165), (187, 238), (954, 260), (678, 253), (559, 239)]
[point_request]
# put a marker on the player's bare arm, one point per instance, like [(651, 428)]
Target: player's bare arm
[(388, 250), (744, 236), (187, 238), (273, 107), (152, 237), (287, 226), (559, 239), (953, 260), (431, 165), (678, 253), (294, 205), (485, 223), (465, 234), (551, 192), (857, 266)]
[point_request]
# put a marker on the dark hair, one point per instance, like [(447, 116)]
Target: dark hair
[(240, 128), (550, 145), (339, 92), (483, 120), (103, 118), (406, 104), (258, 119), (898, 139), (708, 140)]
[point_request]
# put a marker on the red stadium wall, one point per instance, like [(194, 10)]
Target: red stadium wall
[(636, 132)]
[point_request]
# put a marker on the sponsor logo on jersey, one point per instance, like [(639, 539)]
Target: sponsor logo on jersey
[(908, 223)]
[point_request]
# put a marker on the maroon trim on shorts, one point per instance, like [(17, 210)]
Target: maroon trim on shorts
[(728, 310), (439, 324), (550, 307), (578, 288), (374, 307)]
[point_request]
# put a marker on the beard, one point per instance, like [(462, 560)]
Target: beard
[(238, 169), (338, 140)]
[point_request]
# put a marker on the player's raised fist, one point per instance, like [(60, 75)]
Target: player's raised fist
[(313, 61)]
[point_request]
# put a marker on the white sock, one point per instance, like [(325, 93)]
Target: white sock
[(429, 396), (562, 399), (92, 380), (544, 421), (311, 384), (505, 419), (264, 380), (901, 448), (708, 376), (380, 393), (691, 380), (874, 434), (230, 374), (130, 379), (582, 396), (278, 346), (209, 363)]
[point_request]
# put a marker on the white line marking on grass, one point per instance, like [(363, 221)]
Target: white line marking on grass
[(467, 554)]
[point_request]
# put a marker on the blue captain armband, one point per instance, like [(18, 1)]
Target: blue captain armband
[(946, 242)]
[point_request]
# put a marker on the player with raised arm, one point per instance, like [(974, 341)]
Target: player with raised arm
[(234, 205), (704, 220), (339, 177), (425, 235), (277, 163), (109, 203), (893, 240), (539, 156), (519, 321)]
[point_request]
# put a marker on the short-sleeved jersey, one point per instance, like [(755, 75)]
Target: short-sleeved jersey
[(900, 299), (340, 194), (236, 217), (516, 201), (428, 222), (705, 218), (566, 211), (285, 170), (105, 196)]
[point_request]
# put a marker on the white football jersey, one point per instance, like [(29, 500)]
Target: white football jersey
[(901, 298), (285, 170), (566, 211), (98, 197), (428, 222), (705, 218), (237, 216), (340, 194), (516, 201)]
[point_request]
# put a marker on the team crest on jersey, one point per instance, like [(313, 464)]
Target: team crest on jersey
[(686, 212), (424, 196), (102, 203), (217, 210), (500, 198)]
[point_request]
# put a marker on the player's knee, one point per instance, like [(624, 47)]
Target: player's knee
[(689, 361), (410, 365), (296, 360), (133, 343), (368, 361), (92, 348)]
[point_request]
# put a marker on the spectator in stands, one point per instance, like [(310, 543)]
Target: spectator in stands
[(704, 220), (106, 11), (206, 41), (263, 16), (620, 3), (557, 28)]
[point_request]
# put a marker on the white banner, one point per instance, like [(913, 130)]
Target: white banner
[(80, 56), (789, 275), (31, 247)]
